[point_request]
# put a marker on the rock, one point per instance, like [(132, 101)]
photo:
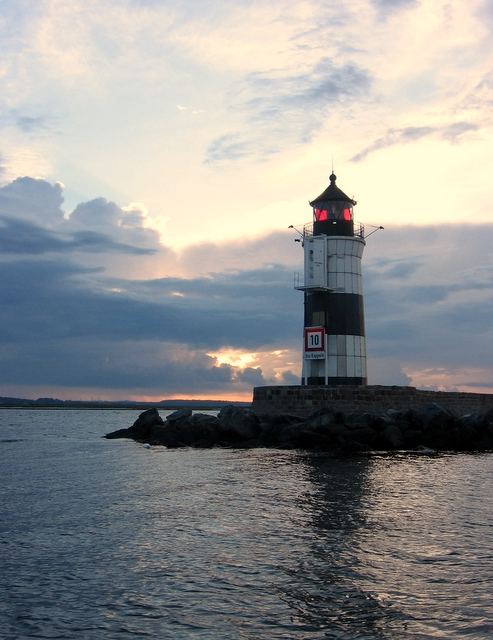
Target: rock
[(180, 414), (119, 433), (392, 437), (237, 424), (433, 415), (141, 428), (325, 430), (412, 437), (363, 436), (321, 418), (204, 430)]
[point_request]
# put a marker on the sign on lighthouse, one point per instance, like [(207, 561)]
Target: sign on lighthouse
[(334, 347), (314, 342)]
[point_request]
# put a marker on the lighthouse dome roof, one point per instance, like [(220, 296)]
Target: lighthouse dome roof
[(332, 194)]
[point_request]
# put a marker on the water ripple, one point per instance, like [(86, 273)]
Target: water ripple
[(104, 539)]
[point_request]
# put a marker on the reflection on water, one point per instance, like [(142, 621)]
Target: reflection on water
[(325, 588), (396, 552), (106, 539)]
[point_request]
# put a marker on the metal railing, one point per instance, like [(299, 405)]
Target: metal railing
[(359, 231)]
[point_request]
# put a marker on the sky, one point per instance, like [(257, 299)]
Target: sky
[(153, 154)]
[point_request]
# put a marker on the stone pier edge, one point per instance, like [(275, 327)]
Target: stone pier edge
[(304, 400)]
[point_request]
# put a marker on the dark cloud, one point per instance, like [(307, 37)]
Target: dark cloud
[(229, 146), (251, 376), (93, 242), (125, 226), (402, 269), (33, 222), (32, 124), (451, 132), (324, 85), (61, 304), (288, 107), (29, 124), (393, 4), (21, 237), (288, 377), (32, 199), (144, 367), (65, 322), (441, 314), (95, 214)]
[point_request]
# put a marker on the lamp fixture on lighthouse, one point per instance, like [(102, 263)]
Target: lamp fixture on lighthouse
[(334, 346)]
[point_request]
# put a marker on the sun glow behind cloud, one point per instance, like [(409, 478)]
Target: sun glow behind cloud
[(234, 357)]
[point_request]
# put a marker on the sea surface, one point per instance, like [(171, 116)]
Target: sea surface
[(107, 539)]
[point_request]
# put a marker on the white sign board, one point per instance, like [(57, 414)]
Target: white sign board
[(314, 343)]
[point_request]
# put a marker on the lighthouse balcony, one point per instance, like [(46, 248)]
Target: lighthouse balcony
[(359, 230), (300, 285)]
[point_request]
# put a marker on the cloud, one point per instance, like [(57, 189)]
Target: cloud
[(451, 132), (32, 199), (479, 99), (151, 338), (144, 367), (384, 5), (229, 147), (25, 122), (73, 316), (21, 237), (440, 313), (33, 222), (387, 370), (283, 108)]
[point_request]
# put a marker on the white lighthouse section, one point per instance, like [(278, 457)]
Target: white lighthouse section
[(332, 265), (344, 264)]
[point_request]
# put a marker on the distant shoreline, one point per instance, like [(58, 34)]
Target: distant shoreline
[(165, 405)]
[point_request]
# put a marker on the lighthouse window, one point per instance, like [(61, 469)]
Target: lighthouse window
[(346, 214), (320, 215)]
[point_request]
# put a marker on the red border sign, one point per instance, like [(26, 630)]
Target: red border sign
[(314, 339)]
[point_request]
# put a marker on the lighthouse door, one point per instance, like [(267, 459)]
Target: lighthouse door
[(315, 262)]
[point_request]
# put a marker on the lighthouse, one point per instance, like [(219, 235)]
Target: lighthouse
[(334, 348)]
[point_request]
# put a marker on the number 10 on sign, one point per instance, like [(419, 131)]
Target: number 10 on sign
[(315, 341)]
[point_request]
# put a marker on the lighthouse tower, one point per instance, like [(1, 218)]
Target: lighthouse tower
[(334, 349)]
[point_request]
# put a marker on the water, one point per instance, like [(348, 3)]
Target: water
[(106, 539)]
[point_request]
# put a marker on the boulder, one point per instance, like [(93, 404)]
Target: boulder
[(433, 416), (391, 437), (180, 414), (203, 430), (166, 435), (325, 430), (237, 424), (141, 428)]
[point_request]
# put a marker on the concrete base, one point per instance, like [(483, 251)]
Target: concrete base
[(304, 400)]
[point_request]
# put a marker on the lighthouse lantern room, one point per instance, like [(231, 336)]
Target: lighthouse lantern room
[(334, 349)]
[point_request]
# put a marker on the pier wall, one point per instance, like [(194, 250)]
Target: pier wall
[(305, 400)]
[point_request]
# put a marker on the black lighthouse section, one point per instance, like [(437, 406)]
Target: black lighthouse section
[(339, 313)]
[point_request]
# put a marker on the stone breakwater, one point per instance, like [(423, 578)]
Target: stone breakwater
[(427, 427), (303, 401)]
